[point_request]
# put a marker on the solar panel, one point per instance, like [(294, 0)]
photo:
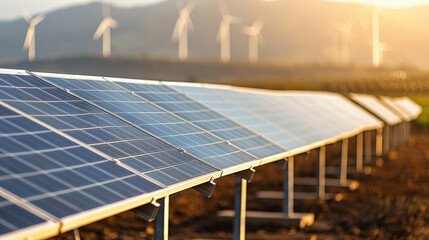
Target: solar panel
[(242, 115), (100, 130), (390, 102), (57, 176), (14, 218), (202, 116), (284, 120), (376, 107), (334, 111), (311, 117), (410, 107), (211, 149)]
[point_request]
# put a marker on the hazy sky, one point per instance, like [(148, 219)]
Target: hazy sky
[(11, 9)]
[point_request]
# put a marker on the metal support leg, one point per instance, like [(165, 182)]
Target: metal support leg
[(408, 131), (379, 143), (343, 164), (386, 138), (240, 209), (161, 220), (288, 187), (368, 147), (321, 173), (359, 152), (395, 136), (76, 234)]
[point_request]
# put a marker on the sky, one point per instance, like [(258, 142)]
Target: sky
[(11, 9)]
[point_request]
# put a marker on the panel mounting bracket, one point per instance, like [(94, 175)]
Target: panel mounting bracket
[(206, 188), (246, 174), (281, 163), (304, 155), (148, 212)]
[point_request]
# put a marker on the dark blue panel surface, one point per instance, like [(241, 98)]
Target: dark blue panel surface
[(156, 121), (94, 127), (53, 173), (204, 117), (13, 217)]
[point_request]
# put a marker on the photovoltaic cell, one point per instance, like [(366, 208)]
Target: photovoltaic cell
[(56, 174), (376, 107), (410, 107), (161, 123), (331, 111), (204, 117), (13, 217), (244, 116), (390, 102), (99, 130)]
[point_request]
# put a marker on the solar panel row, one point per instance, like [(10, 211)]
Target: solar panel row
[(74, 146)]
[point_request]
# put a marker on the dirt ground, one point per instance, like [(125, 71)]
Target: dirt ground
[(391, 203)]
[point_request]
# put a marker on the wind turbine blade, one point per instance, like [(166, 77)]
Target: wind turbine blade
[(223, 8), (27, 16), (112, 22), (257, 26), (190, 24), (190, 6), (234, 20), (178, 28), (247, 31), (100, 30), (37, 19), (29, 37)]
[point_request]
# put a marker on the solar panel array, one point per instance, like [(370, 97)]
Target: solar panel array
[(77, 149), (292, 119), (376, 106), (408, 106)]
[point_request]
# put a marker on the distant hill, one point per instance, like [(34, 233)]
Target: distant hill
[(241, 73), (295, 31)]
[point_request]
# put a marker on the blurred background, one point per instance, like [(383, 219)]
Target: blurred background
[(364, 46)]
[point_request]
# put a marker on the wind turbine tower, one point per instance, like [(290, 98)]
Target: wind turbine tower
[(376, 12), (345, 30), (183, 24), (104, 30), (30, 38), (254, 33), (383, 48), (224, 33)]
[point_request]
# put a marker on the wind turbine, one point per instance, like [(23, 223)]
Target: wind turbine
[(376, 12), (346, 34), (383, 48), (254, 33), (104, 30), (180, 32), (30, 38), (224, 33)]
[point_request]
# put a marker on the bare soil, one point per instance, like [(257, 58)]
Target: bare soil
[(391, 203)]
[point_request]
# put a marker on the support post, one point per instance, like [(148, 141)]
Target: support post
[(321, 173), (368, 147), (161, 220), (359, 152), (76, 234), (408, 132), (379, 143), (386, 138), (288, 186), (240, 209), (344, 164)]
